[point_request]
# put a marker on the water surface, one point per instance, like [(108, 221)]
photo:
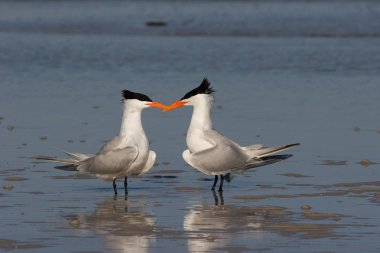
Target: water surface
[(281, 75)]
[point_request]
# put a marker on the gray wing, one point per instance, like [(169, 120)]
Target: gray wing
[(221, 138), (215, 137), (110, 145), (223, 157), (111, 162)]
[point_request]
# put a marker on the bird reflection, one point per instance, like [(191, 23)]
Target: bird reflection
[(216, 198), (122, 226), (210, 228)]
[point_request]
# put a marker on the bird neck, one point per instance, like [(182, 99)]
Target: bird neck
[(201, 118), (131, 122)]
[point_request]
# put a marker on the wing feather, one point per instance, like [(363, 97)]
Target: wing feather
[(224, 156), (111, 162), (265, 151)]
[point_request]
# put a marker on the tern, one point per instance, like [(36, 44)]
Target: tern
[(212, 153), (126, 154)]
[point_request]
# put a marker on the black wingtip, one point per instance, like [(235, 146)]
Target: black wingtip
[(276, 158)]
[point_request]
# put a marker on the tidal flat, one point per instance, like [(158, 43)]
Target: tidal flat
[(280, 76)]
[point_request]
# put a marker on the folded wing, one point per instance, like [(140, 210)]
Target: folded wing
[(112, 162)]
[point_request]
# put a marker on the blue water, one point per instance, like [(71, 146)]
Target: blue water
[(283, 71)]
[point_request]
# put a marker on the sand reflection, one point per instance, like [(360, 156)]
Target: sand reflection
[(121, 224)]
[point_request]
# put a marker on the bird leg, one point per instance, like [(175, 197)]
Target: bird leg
[(215, 198), (221, 183), (221, 198), (114, 186), (215, 181), (218, 197), (126, 185)]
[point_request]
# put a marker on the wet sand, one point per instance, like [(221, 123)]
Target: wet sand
[(159, 214), (60, 90)]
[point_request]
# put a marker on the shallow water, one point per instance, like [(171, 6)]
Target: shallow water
[(61, 77)]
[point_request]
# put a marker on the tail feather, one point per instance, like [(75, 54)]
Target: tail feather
[(69, 167), (71, 164), (261, 152), (54, 159), (77, 156)]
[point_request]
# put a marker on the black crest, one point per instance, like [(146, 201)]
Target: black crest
[(204, 88), (132, 95)]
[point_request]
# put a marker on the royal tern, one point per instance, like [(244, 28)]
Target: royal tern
[(126, 154), (212, 153)]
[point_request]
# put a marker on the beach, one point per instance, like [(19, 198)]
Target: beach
[(284, 72)]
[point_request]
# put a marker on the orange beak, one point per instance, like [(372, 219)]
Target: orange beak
[(156, 104), (175, 105)]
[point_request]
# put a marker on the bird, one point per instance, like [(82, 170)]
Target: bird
[(212, 153), (126, 154)]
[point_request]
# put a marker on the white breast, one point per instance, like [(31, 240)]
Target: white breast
[(196, 140)]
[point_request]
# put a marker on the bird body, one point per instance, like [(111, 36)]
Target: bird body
[(126, 154), (212, 153)]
